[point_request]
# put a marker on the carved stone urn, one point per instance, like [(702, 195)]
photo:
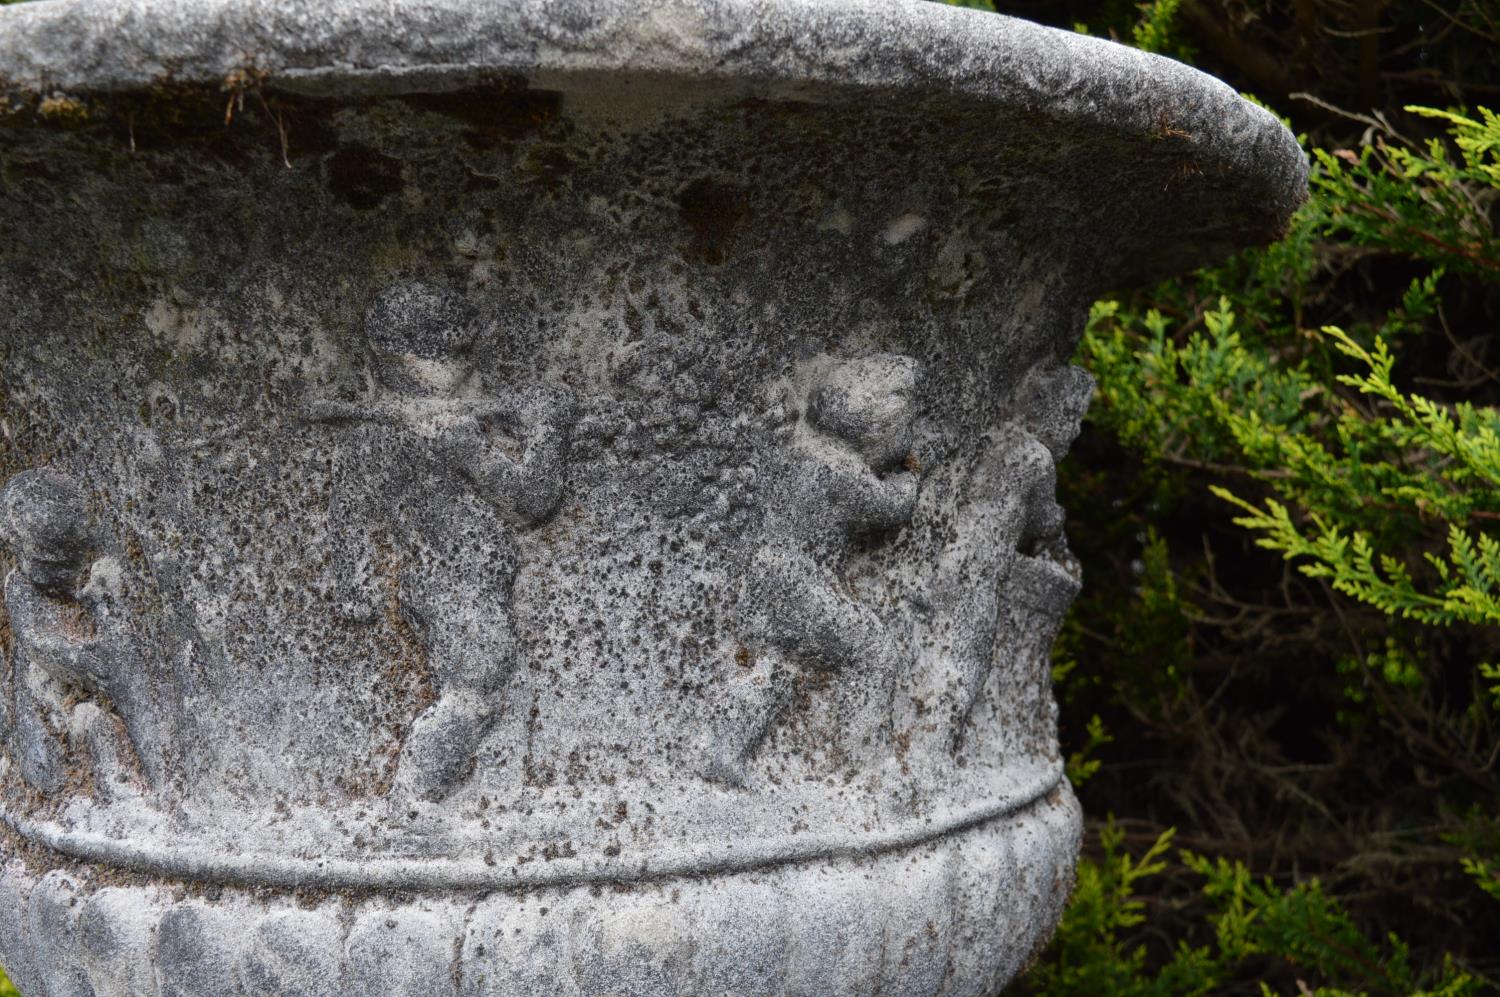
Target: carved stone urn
[(557, 496)]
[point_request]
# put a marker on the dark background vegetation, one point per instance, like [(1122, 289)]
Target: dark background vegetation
[(1267, 718)]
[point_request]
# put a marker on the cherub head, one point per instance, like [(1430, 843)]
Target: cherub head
[(44, 519), (870, 403), (1052, 400), (420, 337)]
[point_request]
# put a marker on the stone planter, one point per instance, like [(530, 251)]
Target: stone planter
[(556, 496)]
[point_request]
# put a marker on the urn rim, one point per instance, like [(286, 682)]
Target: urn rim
[(1059, 81)]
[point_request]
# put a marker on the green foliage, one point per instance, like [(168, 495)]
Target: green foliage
[(1423, 460), (1411, 461), (1486, 873), (1088, 954), (1081, 763), (1356, 478), (1419, 199), (1251, 930), (1382, 495), (1285, 505), (1491, 675), (1156, 30), (6, 989)]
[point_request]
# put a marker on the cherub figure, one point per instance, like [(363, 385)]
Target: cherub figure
[(71, 636), (847, 470), (426, 459), (1007, 521)]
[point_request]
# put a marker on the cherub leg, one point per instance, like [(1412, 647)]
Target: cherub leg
[(748, 708), (357, 588), (37, 749), (807, 614), (439, 752), (1010, 508), (145, 728), (471, 651), (1039, 593), (810, 616), (108, 747), (7, 702)]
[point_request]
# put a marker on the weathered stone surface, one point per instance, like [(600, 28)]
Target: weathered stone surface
[(299, 953), (115, 932), (556, 497), (52, 927)]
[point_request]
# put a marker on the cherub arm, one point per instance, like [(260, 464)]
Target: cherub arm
[(811, 618), (524, 489), (867, 500), (62, 638), (527, 489), (893, 499)]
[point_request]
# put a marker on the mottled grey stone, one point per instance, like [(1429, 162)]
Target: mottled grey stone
[(837, 941), (557, 497), (295, 953), (52, 927), (15, 890), (519, 947), (640, 945), (116, 932), (198, 949), (402, 951)]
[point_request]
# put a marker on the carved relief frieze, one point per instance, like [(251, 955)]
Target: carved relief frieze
[(83, 700), (425, 475)]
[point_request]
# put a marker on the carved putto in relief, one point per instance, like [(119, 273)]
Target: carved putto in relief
[(444, 474), (846, 469), (73, 641), (1007, 546)]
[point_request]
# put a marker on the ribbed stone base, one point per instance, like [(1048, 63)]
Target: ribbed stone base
[(961, 914)]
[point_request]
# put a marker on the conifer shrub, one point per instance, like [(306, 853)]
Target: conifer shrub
[(1280, 689)]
